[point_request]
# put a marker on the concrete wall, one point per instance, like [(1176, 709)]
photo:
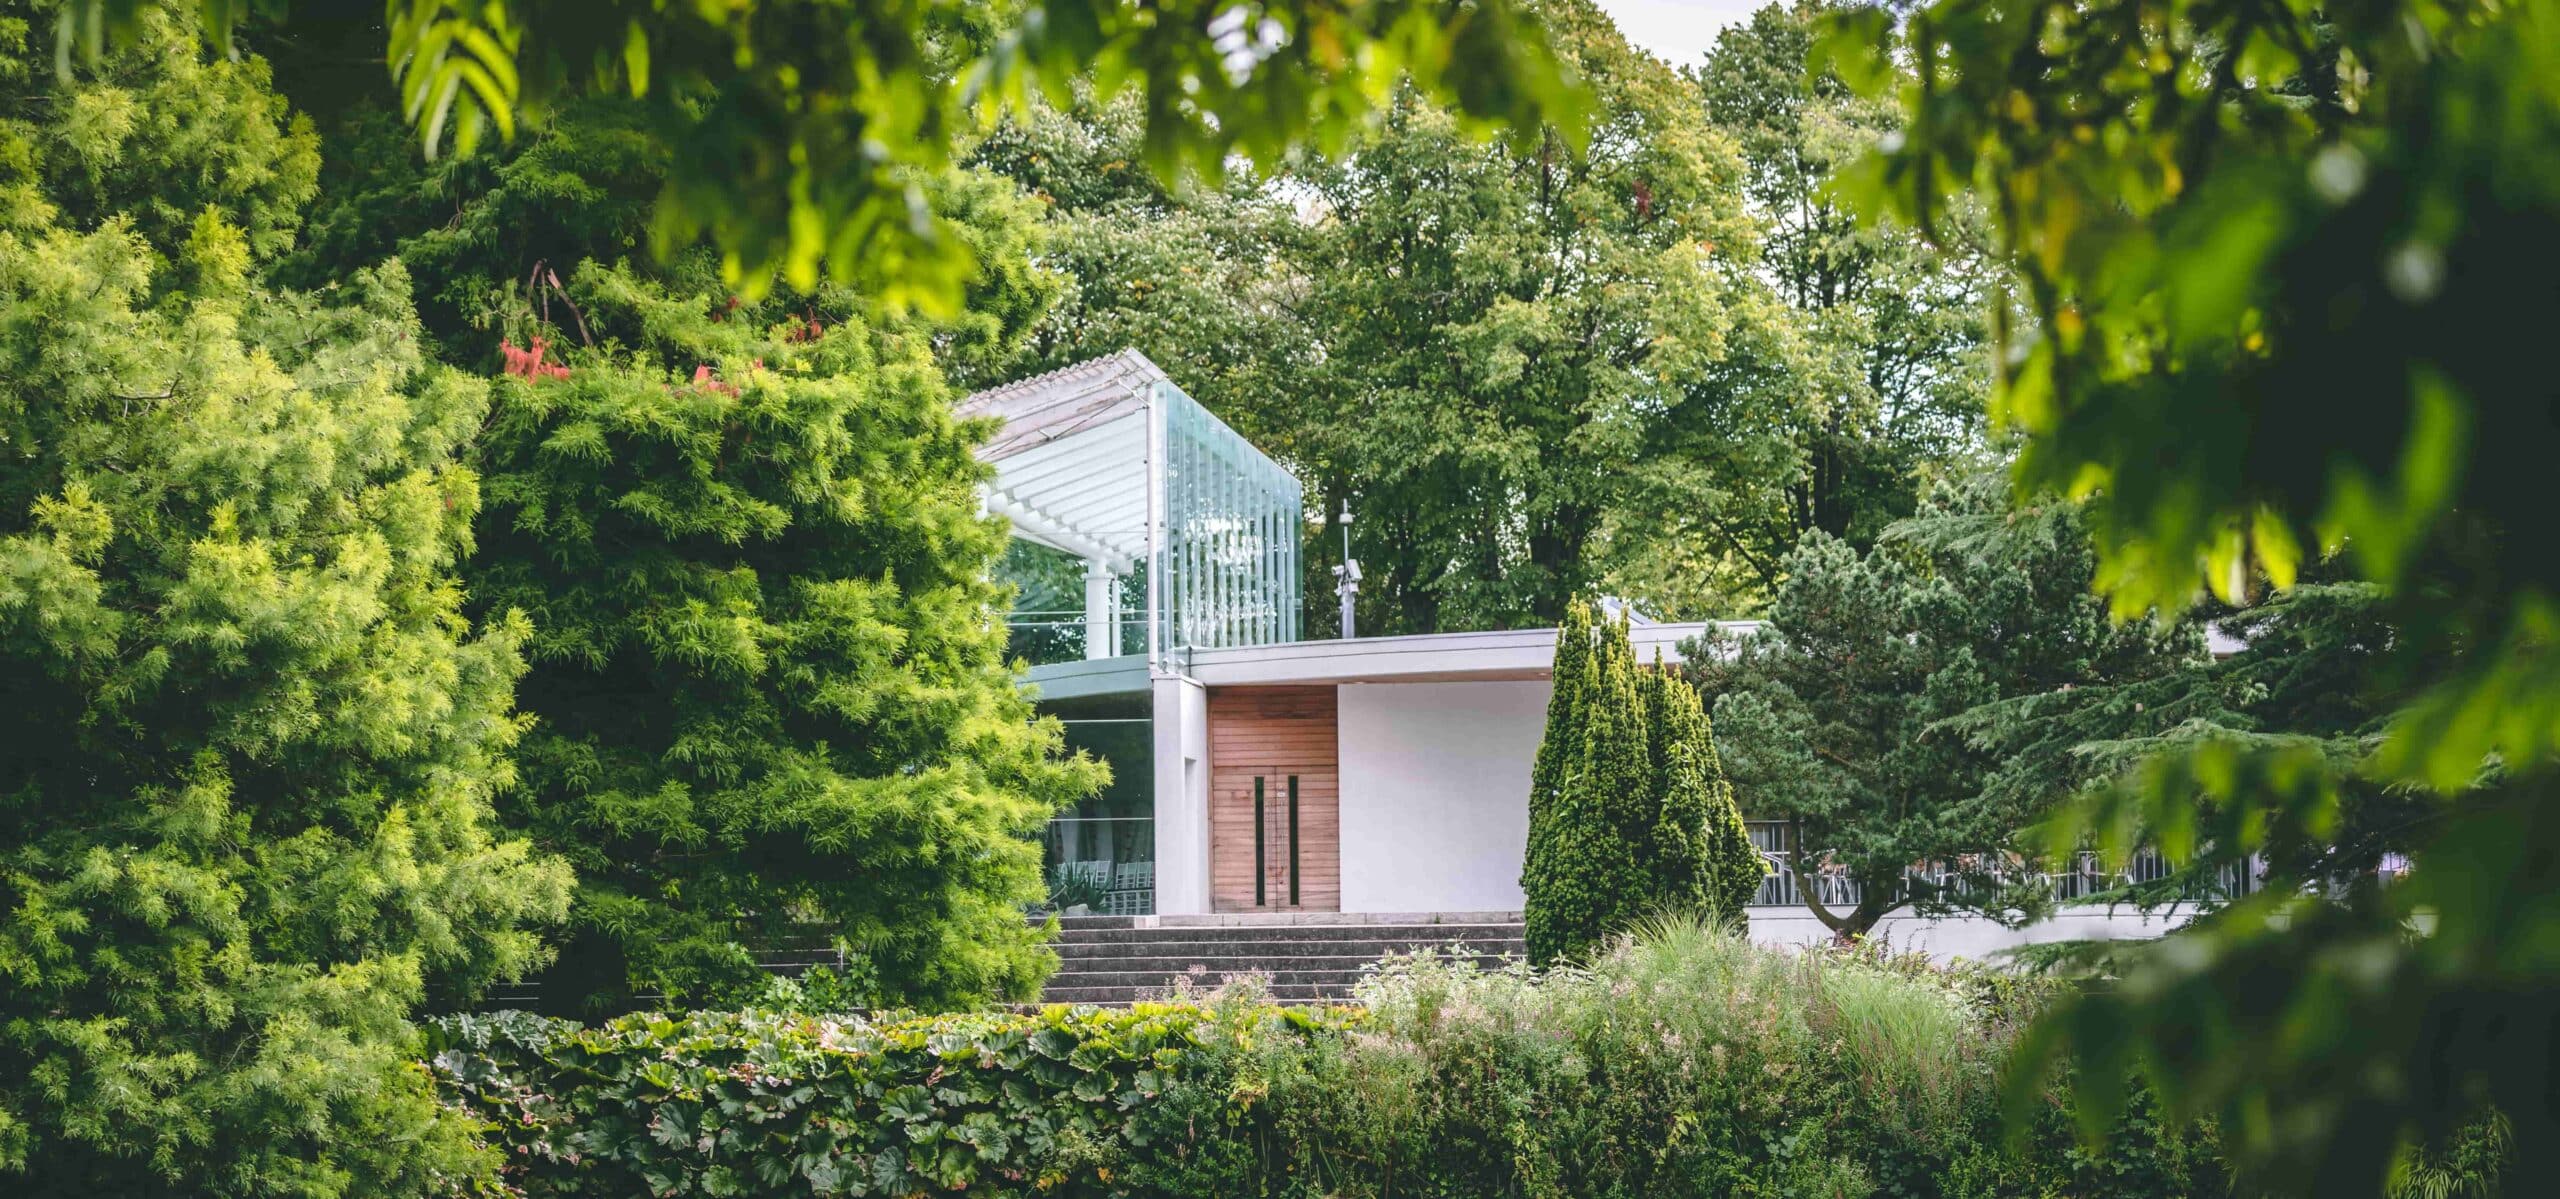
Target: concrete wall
[(1435, 793)]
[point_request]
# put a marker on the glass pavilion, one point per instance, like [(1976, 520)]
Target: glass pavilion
[(1143, 527), (1142, 523)]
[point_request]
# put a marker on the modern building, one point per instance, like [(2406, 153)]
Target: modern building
[(1158, 555)]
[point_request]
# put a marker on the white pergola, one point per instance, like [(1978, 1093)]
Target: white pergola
[(1111, 462)]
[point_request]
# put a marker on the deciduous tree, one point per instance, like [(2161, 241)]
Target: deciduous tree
[(1855, 375)]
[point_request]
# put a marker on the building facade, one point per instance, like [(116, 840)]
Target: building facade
[(1161, 588)]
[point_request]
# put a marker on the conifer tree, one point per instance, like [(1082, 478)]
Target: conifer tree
[(1674, 848), (1729, 867), (1586, 879), (1619, 757), (1557, 752), (1909, 704), (768, 676), (245, 789), (1640, 819)]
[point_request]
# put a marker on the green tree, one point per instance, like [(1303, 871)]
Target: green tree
[(1195, 276), (701, 827), (1562, 740), (770, 695), (245, 792), (803, 133), (1842, 717), (1856, 374), (1629, 812), (1584, 879), (1485, 350), (2286, 279), (1700, 854)]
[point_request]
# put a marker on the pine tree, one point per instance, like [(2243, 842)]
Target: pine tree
[(768, 678), (245, 792), (1894, 710)]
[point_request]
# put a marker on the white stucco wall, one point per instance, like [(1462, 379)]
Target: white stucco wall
[(1435, 793)]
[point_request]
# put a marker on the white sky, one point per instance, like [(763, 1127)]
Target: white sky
[(1678, 30)]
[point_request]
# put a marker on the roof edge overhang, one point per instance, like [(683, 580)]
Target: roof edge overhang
[(1512, 655)]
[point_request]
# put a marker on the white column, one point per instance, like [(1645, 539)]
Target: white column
[(1182, 796), (1101, 612)]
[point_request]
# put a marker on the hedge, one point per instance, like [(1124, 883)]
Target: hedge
[(1687, 1063)]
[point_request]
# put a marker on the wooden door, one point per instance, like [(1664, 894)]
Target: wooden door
[(1275, 828)]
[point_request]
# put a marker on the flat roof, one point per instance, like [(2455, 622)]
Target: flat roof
[(1415, 658)]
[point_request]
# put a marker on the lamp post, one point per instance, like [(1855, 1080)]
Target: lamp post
[(1346, 576)]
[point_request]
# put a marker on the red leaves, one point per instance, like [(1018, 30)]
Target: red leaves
[(704, 376), (527, 363), (705, 379)]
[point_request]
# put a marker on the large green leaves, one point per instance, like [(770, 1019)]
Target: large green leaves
[(803, 129), (2288, 282)]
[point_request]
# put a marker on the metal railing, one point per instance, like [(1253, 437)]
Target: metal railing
[(2086, 878)]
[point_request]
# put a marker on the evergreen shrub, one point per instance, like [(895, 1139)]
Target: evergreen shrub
[(1683, 1062), (1630, 815)]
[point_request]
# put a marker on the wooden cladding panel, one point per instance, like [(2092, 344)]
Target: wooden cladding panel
[(1273, 733)]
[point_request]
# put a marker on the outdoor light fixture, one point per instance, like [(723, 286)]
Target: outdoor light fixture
[(1346, 576)]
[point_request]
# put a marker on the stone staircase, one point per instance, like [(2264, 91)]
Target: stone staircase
[(1309, 957)]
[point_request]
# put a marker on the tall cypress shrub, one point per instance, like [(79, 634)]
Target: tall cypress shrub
[(1703, 855), (1587, 882), (1630, 813), (1558, 752), (1676, 844)]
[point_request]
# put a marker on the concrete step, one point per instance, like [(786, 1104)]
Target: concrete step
[(1333, 975), (1077, 951), (1296, 994), (1176, 963), (1417, 934), (1304, 957)]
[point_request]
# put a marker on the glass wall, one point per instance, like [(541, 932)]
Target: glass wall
[(1102, 856), (1048, 622), (1227, 549), (1233, 519)]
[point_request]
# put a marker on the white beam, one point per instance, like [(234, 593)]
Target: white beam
[(1051, 531)]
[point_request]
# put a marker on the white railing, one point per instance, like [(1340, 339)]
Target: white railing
[(2087, 876)]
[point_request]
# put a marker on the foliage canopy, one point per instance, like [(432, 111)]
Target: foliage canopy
[(802, 132), (768, 694), (245, 796), (2286, 278)]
